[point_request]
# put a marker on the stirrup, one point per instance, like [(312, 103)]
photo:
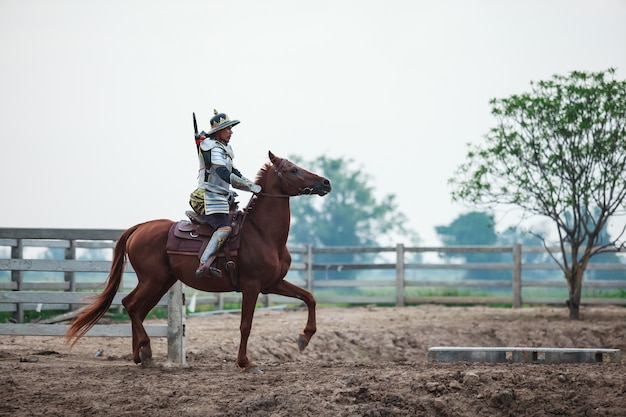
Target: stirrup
[(207, 271)]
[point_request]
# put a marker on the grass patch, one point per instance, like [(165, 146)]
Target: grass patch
[(31, 315)]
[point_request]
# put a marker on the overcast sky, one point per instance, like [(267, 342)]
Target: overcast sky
[(96, 97)]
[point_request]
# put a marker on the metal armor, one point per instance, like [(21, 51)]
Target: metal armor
[(217, 191)]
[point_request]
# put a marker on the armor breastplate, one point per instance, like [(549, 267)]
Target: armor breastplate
[(221, 155), (218, 191)]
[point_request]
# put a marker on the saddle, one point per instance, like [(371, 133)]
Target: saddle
[(190, 237)]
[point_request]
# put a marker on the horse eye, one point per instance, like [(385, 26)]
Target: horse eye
[(294, 170)]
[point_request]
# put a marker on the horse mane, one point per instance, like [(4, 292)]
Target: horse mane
[(262, 174), (260, 179)]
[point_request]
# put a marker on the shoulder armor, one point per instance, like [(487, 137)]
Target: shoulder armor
[(208, 144)]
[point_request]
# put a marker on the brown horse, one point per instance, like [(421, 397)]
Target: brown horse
[(262, 263)]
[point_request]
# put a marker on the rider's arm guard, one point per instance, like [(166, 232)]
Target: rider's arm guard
[(242, 183)]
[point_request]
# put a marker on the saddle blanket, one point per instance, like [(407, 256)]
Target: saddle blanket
[(187, 238)]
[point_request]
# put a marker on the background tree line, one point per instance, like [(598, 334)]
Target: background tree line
[(355, 214)]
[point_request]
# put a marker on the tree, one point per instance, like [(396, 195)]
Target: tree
[(351, 215), (515, 235), (474, 228), (603, 258), (557, 151)]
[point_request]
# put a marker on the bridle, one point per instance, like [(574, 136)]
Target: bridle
[(279, 172)]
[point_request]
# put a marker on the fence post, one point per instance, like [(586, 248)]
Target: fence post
[(176, 324), (17, 252), (309, 268), (400, 275), (70, 276), (517, 275)]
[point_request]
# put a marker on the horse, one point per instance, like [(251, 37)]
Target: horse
[(262, 263)]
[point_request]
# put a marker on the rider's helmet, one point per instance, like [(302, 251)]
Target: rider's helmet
[(220, 121)]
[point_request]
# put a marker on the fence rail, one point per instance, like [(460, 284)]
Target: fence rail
[(394, 288), (404, 284)]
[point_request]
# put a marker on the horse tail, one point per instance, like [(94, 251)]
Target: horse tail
[(102, 302)]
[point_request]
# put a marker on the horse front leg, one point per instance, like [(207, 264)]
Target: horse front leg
[(248, 304), (290, 290)]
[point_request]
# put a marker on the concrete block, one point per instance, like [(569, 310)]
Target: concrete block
[(522, 355)]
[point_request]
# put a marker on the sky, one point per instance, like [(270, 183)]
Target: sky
[(96, 97)]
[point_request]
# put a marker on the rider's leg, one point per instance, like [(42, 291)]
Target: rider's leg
[(210, 253)]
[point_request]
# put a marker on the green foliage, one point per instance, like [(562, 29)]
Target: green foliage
[(473, 229), (353, 214), (515, 235), (557, 151), (560, 145), (31, 315)]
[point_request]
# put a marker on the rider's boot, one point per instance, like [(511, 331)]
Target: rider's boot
[(210, 253)]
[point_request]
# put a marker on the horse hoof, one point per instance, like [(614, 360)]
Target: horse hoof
[(253, 370), (145, 358), (149, 363), (302, 343)]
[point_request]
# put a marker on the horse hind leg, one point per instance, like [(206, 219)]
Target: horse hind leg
[(140, 338), (138, 304)]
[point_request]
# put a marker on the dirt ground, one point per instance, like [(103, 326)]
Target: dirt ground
[(365, 361)]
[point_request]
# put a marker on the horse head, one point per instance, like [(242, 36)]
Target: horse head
[(294, 180)]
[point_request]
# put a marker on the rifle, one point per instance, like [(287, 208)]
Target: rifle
[(196, 136)]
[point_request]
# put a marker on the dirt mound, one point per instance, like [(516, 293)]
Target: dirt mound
[(362, 362)]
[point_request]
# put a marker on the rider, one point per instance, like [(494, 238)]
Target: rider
[(213, 196)]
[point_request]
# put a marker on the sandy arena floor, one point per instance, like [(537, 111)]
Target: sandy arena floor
[(365, 361)]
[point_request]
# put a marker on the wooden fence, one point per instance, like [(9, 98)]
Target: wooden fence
[(403, 285), (388, 281), (19, 295)]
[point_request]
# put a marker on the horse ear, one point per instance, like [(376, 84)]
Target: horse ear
[(272, 156)]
